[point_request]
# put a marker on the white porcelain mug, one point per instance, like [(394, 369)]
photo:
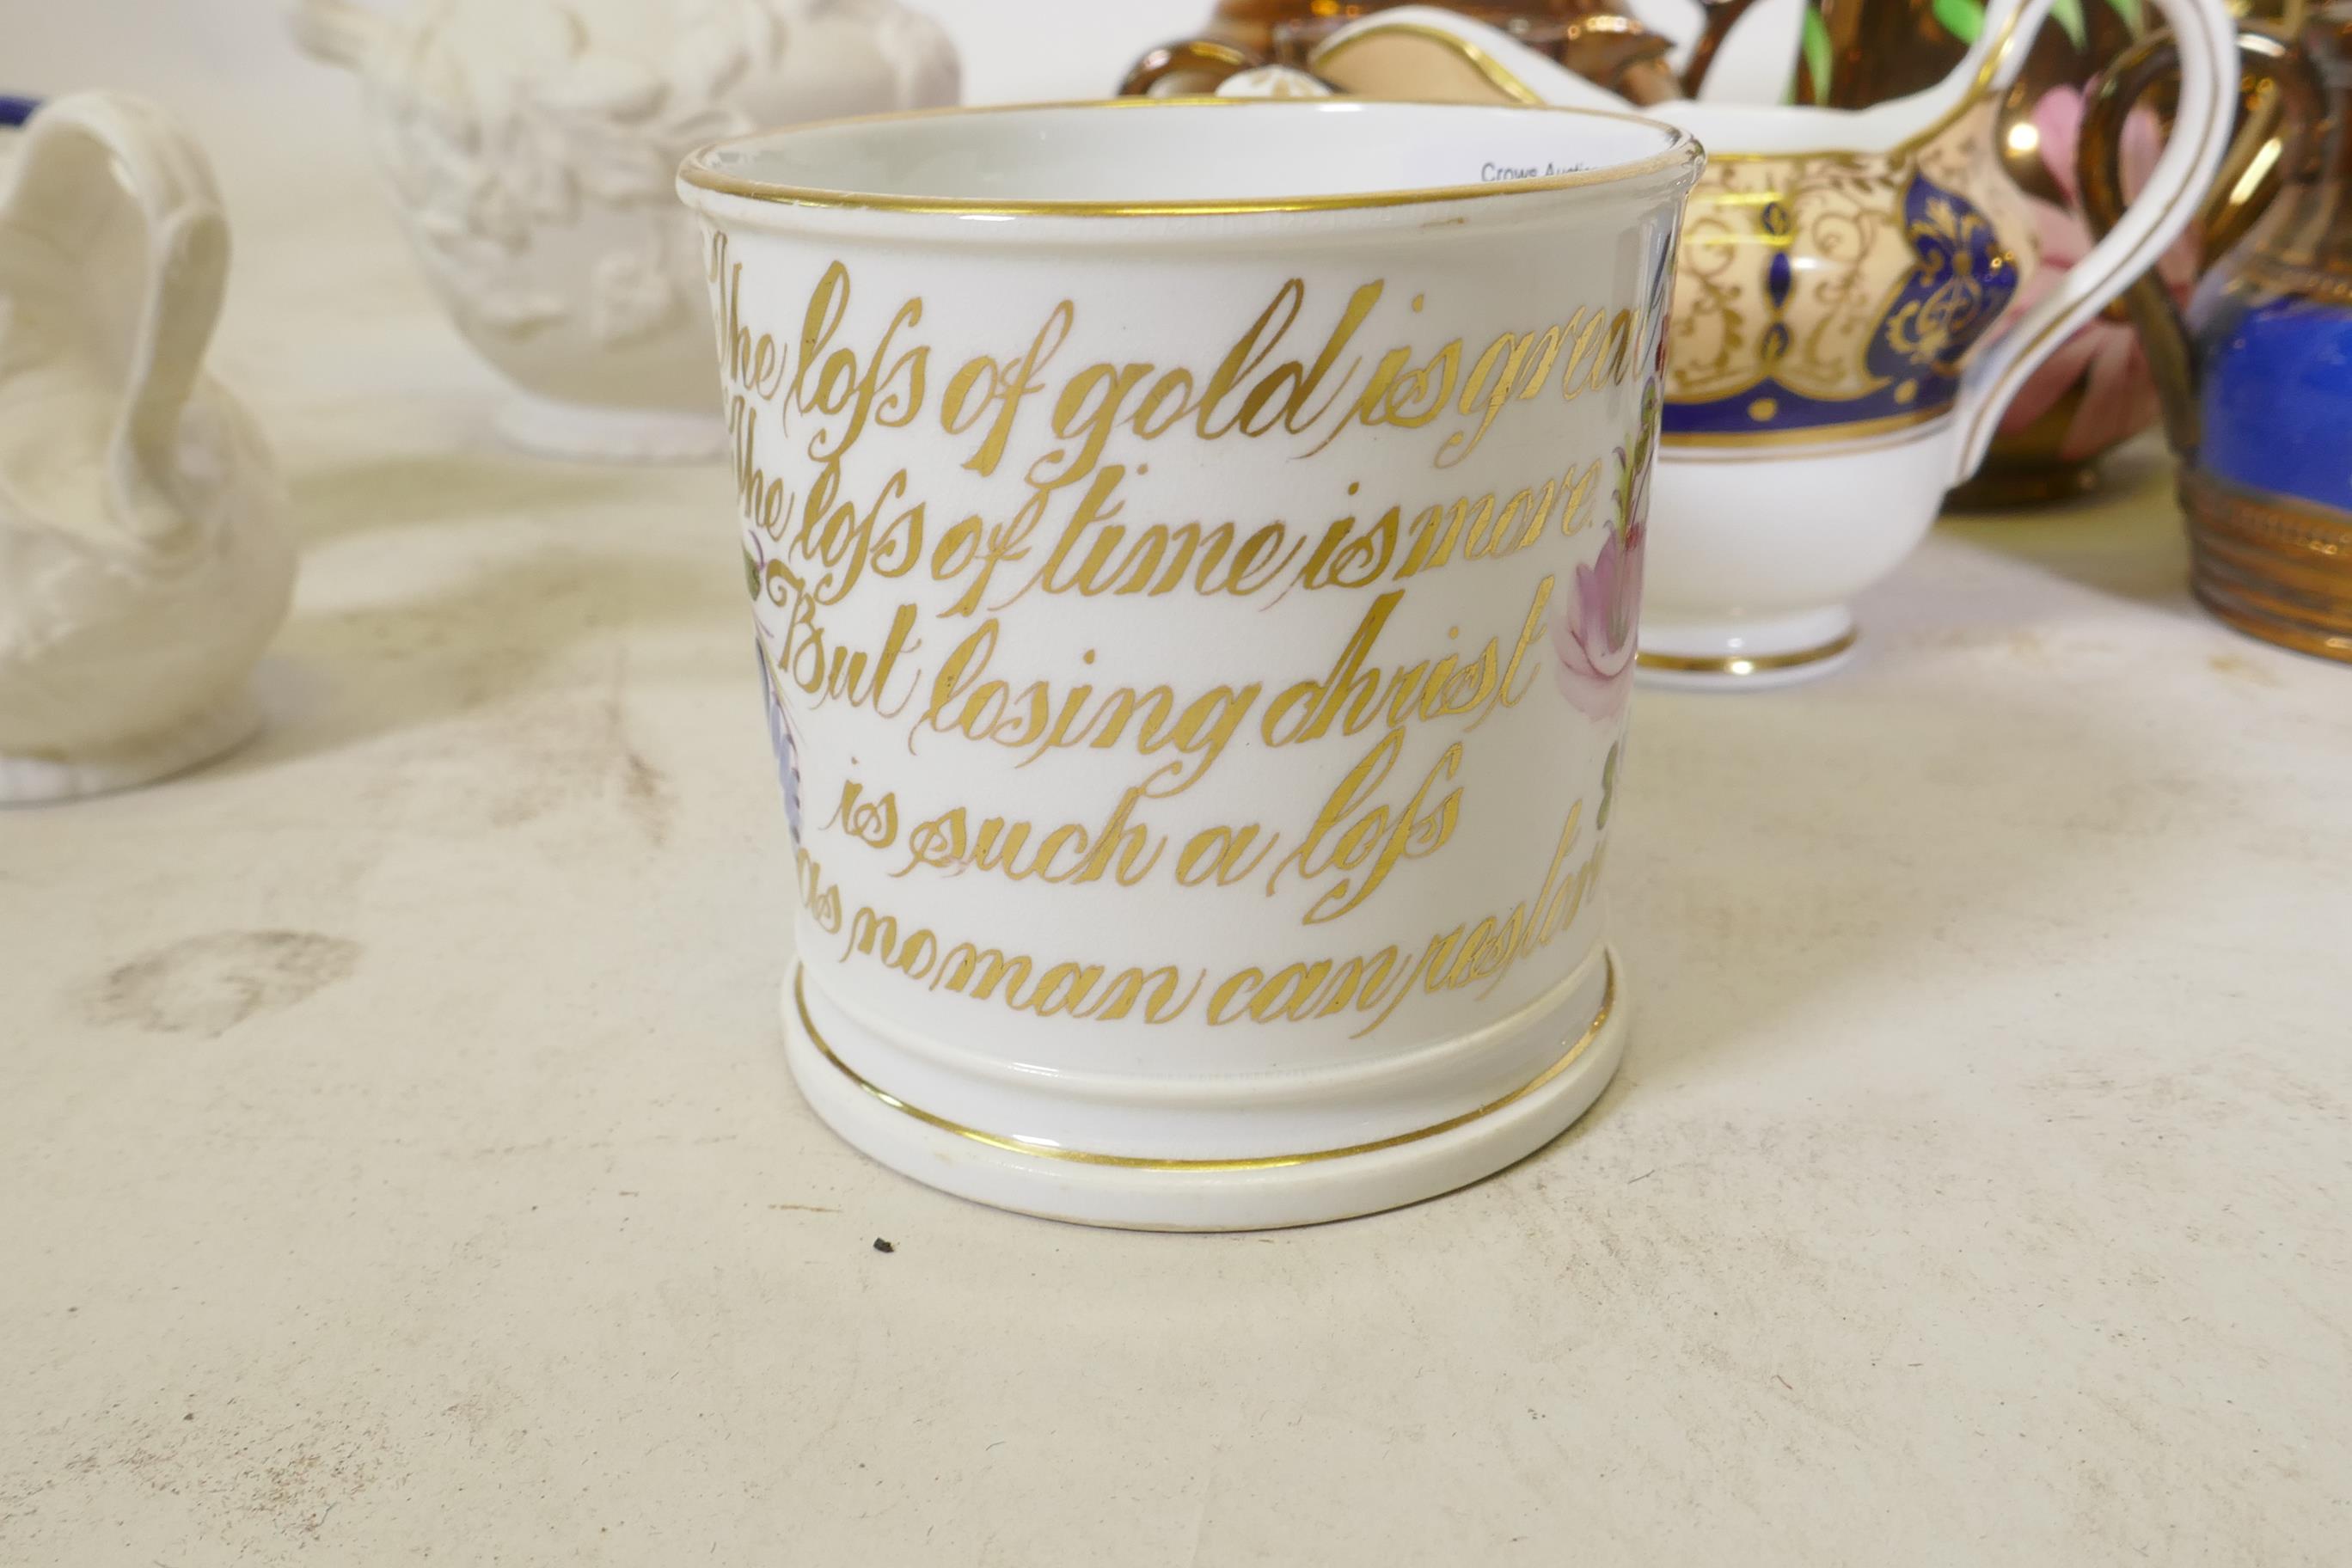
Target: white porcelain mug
[(1195, 548)]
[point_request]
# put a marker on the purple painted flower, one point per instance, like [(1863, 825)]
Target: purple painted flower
[(779, 738)]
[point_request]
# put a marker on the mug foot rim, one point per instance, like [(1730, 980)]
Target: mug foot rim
[(1218, 1195)]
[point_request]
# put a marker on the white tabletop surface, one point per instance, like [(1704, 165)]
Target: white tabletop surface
[(397, 1158)]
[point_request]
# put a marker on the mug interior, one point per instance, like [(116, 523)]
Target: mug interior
[(1198, 152)]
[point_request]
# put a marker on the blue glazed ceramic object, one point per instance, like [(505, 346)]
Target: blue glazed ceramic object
[(2276, 396)]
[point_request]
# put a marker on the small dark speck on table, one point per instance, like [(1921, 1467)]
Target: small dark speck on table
[(882, 1246)]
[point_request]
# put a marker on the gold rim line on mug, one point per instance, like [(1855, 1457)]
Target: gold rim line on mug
[(1018, 1145), (1736, 664), (1681, 149)]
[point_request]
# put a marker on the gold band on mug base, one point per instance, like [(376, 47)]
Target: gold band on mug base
[(1272, 1162), (1739, 664)]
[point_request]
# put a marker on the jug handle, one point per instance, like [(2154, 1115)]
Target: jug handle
[(341, 32), (2267, 59), (2141, 232), (2257, 164), (1622, 55), (1716, 18), (80, 147)]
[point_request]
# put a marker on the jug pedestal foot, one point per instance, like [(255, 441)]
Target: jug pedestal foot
[(1745, 655), (584, 433), (1581, 1047), (190, 743)]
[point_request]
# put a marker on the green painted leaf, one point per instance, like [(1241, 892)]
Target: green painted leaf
[(1818, 53), (2134, 16), (2069, 16), (1964, 19)]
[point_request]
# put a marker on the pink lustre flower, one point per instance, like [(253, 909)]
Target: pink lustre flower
[(2119, 397), (1594, 634)]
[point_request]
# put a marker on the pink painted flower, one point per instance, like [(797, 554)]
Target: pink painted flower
[(1594, 633), (2119, 394)]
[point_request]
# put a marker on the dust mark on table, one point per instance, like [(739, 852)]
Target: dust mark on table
[(646, 794), (207, 985), (289, 1481), (578, 746), (2236, 668)]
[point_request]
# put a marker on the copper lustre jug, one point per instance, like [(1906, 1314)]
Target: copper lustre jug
[(2257, 377)]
